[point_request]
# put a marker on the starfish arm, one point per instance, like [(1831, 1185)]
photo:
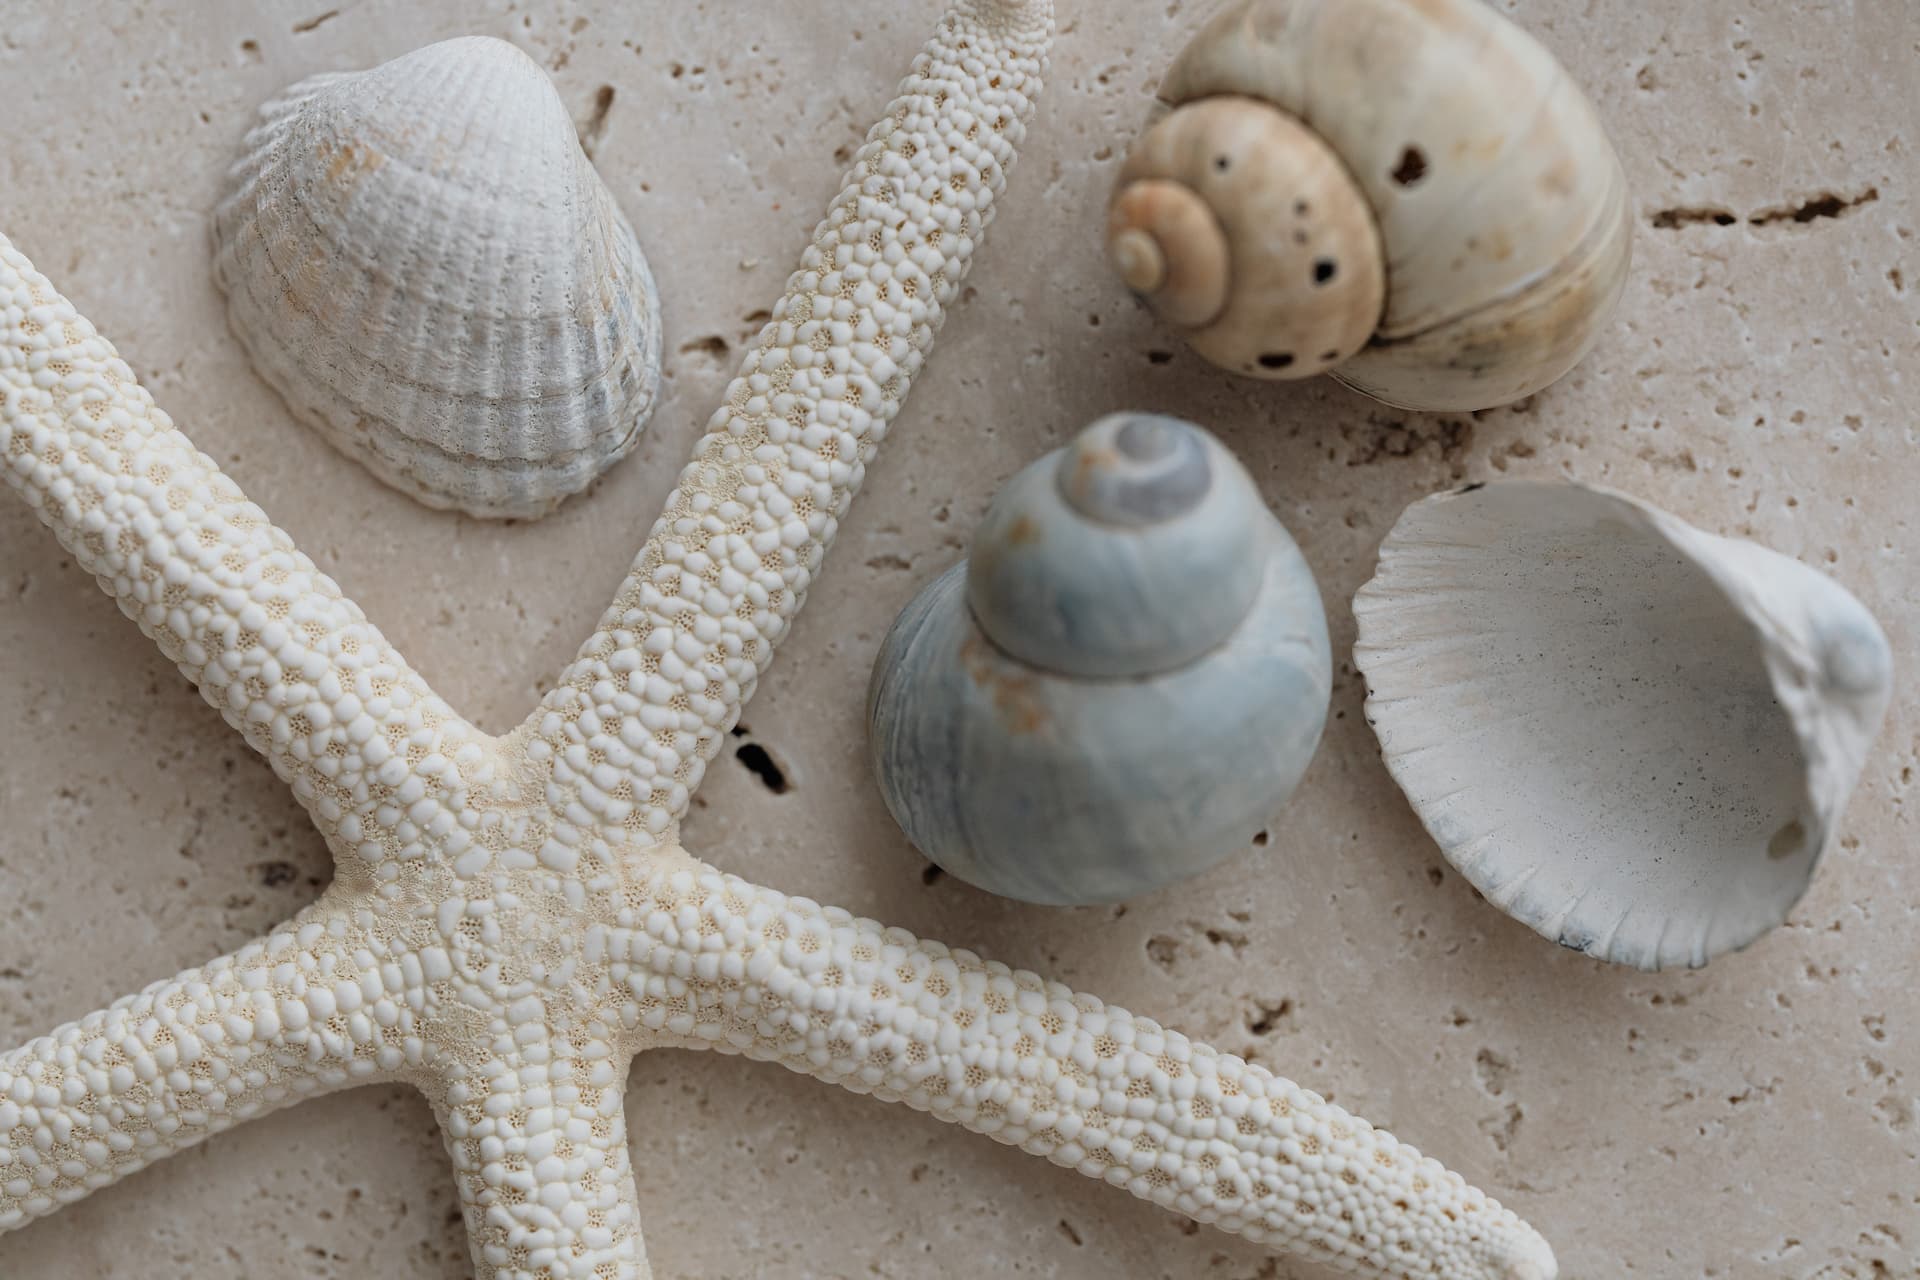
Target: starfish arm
[(723, 963), (729, 562), (154, 1073), (268, 639), (539, 1145)]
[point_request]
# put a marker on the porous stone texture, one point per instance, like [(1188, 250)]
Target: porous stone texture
[(1754, 1118)]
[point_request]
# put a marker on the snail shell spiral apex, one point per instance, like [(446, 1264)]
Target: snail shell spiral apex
[(1121, 685), (1136, 470), (1134, 551)]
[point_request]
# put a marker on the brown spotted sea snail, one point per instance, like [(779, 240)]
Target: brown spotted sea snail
[(1410, 195)]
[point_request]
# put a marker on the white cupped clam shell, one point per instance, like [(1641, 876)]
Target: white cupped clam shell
[(1633, 736), (424, 264)]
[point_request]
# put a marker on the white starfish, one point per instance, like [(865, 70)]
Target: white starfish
[(512, 919)]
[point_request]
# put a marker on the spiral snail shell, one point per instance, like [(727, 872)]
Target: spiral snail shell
[(1119, 687), (1410, 195)]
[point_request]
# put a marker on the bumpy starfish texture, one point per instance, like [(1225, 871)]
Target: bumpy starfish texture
[(513, 918)]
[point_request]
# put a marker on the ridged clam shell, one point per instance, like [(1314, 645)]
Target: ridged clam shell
[(421, 260), (1635, 737)]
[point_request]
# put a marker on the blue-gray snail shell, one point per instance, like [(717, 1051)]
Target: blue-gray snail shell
[(1121, 686)]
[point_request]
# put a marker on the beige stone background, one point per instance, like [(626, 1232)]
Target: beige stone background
[(1755, 1119)]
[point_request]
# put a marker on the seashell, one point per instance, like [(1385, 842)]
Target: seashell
[(1121, 685), (1632, 736), (423, 263), (1410, 195)]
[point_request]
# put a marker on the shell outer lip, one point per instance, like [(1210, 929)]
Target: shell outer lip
[(1831, 735)]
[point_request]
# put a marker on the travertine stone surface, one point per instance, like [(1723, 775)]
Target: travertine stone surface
[(1758, 1118)]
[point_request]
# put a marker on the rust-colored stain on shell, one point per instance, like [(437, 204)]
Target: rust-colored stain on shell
[(1023, 532), (349, 163), (1090, 460), (1560, 181), (1478, 151), (1014, 696), (1267, 23), (1447, 16)]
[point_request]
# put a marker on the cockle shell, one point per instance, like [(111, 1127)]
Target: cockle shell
[(1633, 736), (423, 263), (1500, 203)]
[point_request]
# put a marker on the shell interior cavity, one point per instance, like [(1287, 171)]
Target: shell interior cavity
[(1633, 736), (1500, 202), (421, 260), (1132, 551)]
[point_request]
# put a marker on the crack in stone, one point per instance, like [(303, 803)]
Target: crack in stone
[(595, 126), (1827, 204), (1824, 205), (301, 28)]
